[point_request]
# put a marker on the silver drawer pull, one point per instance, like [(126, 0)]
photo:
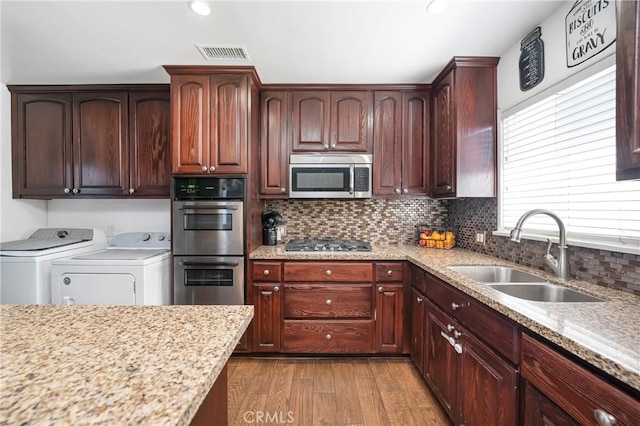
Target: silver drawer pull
[(328, 302), (328, 272), (389, 272), (450, 328), (266, 272), (419, 299), (328, 337), (276, 289), (457, 334), (455, 306), (380, 289), (603, 418)]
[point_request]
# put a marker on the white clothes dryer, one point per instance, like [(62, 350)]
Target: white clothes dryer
[(25, 265), (133, 270)]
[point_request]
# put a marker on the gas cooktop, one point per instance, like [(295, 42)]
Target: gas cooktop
[(325, 245)]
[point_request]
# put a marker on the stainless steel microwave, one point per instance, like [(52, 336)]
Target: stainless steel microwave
[(330, 175)]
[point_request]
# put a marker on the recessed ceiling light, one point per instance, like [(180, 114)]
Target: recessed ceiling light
[(436, 7), (200, 7)]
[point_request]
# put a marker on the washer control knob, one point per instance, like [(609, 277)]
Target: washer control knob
[(62, 233), (146, 237), (161, 237), (66, 281)]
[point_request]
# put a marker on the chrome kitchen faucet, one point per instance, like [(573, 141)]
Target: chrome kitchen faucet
[(559, 266)]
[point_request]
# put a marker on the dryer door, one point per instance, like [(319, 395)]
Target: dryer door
[(94, 289)]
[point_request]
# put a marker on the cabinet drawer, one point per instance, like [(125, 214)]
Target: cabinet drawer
[(417, 278), (574, 389), (492, 327), (266, 271), (328, 271), (389, 272), (328, 336), (327, 300)]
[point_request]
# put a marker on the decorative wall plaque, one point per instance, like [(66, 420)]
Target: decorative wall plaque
[(531, 60), (590, 28)]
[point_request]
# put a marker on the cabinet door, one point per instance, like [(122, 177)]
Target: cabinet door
[(444, 155), (267, 301), (101, 143), (538, 410), (190, 124), (628, 90), (310, 121), (149, 152), (351, 126), (274, 143), (441, 361), (228, 121), (486, 378), (41, 147), (418, 305), (389, 317), (387, 143), (415, 143)]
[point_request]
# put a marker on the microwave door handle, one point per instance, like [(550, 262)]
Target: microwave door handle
[(204, 207), (187, 263), (352, 170)]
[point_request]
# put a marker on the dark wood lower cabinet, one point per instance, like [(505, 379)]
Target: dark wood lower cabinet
[(538, 410), (389, 318), (418, 304), (267, 301)]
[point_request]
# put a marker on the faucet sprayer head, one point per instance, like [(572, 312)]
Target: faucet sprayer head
[(516, 234)]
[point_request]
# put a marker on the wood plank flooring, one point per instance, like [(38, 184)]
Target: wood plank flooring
[(330, 391)]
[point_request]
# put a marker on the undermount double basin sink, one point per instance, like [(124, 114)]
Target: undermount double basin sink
[(522, 285)]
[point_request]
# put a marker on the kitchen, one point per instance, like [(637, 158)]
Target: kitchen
[(317, 218)]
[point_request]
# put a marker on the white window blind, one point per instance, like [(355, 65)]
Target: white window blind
[(559, 154)]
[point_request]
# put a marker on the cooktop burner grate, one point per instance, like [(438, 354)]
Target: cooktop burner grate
[(326, 245)]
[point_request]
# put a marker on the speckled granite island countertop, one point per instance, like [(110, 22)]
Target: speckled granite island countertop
[(109, 365), (604, 334)]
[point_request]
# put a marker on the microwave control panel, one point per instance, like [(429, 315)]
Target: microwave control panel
[(361, 179)]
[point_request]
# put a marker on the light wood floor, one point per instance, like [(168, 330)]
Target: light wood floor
[(336, 391)]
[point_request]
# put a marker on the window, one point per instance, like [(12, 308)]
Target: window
[(559, 154)]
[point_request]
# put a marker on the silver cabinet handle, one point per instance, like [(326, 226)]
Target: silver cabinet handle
[(389, 272), (131, 191), (333, 146), (212, 169), (419, 299), (380, 289), (450, 328), (406, 191), (328, 272), (283, 190), (75, 190), (328, 302), (276, 289), (603, 418), (397, 190), (455, 306), (448, 187), (205, 168), (266, 272), (326, 146), (67, 190), (328, 337), (456, 334)]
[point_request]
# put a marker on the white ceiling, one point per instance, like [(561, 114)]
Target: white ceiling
[(56, 42)]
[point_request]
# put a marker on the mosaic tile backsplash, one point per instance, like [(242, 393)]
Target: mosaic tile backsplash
[(610, 269), (379, 221)]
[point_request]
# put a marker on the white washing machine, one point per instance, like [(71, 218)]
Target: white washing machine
[(133, 270), (25, 265)]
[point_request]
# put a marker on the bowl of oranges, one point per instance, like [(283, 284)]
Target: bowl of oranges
[(436, 239)]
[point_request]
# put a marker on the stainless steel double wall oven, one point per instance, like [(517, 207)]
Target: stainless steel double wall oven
[(208, 241)]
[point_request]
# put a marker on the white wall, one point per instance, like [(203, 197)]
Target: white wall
[(112, 216), (556, 70)]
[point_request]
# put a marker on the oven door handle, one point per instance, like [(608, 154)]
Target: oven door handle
[(187, 263), (205, 207)]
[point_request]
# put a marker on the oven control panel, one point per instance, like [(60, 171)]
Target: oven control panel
[(210, 188)]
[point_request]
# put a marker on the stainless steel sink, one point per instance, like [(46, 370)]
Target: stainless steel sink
[(496, 274), (544, 292)]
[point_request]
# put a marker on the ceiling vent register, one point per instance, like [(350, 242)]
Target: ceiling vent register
[(216, 53)]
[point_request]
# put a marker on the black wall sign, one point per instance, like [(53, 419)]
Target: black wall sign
[(531, 60)]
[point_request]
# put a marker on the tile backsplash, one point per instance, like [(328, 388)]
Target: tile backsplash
[(610, 269), (379, 221)]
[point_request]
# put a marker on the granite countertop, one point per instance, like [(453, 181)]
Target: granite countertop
[(112, 364), (604, 334)]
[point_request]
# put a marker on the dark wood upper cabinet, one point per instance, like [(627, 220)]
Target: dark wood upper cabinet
[(274, 143), (41, 144), (211, 110), (324, 120), (401, 142), (90, 141), (149, 145), (464, 129), (628, 90), (101, 143)]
